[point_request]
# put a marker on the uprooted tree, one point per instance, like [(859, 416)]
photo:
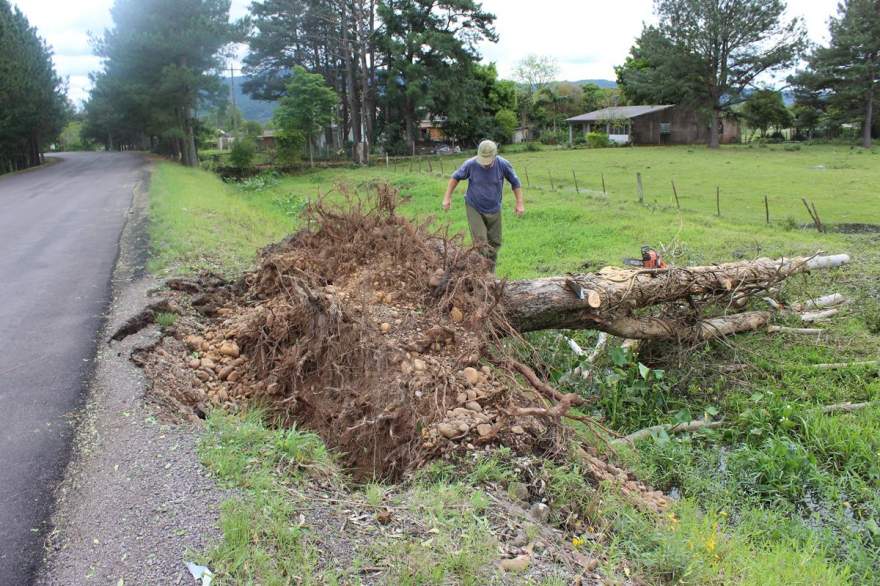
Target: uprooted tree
[(392, 341)]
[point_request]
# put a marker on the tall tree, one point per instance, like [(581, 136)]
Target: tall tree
[(307, 107), (707, 53), (160, 61), (428, 47), (33, 107), (534, 72), (845, 74)]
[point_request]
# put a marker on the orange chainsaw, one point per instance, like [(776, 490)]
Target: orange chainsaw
[(651, 259)]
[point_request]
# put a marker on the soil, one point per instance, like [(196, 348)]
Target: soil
[(385, 338)]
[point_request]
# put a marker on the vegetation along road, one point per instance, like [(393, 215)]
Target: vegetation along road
[(59, 234)]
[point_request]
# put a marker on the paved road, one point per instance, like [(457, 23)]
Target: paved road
[(59, 235)]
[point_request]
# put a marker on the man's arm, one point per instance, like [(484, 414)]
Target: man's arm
[(520, 207), (447, 198)]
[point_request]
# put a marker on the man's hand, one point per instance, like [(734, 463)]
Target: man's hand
[(447, 203), (519, 209)]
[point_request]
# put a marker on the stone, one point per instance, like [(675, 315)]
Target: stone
[(463, 427), (419, 364), (461, 412), (194, 342), (447, 431), (456, 315), (195, 363), (436, 278), (406, 367), (486, 370), (474, 406), (203, 375), (233, 376), (471, 375), (517, 429), (225, 372), (229, 348), (484, 429), (461, 398), (540, 512), (385, 328), (471, 395), (518, 564)]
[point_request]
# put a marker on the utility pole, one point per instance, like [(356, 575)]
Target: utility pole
[(232, 70)]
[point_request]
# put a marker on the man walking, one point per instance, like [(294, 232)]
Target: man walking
[(485, 174)]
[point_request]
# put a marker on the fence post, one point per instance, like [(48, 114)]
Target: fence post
[(604, 192), (766, 210), (552, 185), (387, 163), (718, 201), (573, 176), (442, 172), (675, 193), (528, 183), (430, 166), (640, 188)]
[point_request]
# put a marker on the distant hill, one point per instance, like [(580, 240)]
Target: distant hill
[(602, 83), (251, 109)]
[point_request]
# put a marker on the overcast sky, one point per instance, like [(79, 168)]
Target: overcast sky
[(587, 37)]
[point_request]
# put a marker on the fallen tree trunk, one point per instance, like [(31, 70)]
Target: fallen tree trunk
[(606, 300)]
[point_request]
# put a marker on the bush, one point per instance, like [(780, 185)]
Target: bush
[(598, 140), (550, 137), (532, 147), (242, 155)]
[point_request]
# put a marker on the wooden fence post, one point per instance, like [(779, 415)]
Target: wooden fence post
[(639, 187), (430, 166), (604, 192), (675, 193), (766, 210), (442, 172), (528, 183), (718, 201), (573, 176), (552, 185)]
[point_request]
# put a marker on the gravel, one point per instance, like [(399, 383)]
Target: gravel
[(135, 503)]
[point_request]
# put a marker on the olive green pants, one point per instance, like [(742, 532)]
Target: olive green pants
[(485, 232)]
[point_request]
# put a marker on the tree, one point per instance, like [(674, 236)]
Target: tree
[(506, 121), (161, 59), (33, 107), (707, 53), (844, 75), (534, 72), (471, 102), (765, 108), (429, 49), (307, 107)]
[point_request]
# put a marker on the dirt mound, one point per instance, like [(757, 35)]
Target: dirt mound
[(374, 332)]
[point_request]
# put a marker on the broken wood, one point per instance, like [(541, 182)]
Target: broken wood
[(820, 302), (846, 407), (608, 299), (844, 365), (813, 316), (805, 331), (668, 428)]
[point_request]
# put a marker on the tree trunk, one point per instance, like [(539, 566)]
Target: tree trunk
[(607, 300), (354, 110), (869, 118), (714, 135)]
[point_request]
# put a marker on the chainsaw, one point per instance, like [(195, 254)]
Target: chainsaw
[(651, 259)]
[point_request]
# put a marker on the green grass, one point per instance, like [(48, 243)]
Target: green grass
[(799, 488), (198, 222)]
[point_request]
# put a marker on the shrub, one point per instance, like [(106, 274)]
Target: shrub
[(242, 154), (598, 140), (532, 147)]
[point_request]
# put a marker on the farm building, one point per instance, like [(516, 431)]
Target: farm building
[(651, 125)]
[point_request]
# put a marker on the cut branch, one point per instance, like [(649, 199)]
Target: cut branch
[(668, 428)]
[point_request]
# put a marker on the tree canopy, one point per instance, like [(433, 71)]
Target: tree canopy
[(306, 108), (161, 59), (33, 107), (707, 53), (843, 77)]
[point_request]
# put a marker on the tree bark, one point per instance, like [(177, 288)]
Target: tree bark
[(869, 118), (608, 299), (714, 135)]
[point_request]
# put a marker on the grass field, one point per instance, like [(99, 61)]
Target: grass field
[(782, 494)]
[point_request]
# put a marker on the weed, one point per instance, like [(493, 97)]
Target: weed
[(165, 319)]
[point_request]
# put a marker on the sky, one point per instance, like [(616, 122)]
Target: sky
[(586, 37)]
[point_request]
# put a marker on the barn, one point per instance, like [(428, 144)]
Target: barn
[(651, 125)]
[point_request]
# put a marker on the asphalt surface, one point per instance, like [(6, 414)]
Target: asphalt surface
[(59, 239)]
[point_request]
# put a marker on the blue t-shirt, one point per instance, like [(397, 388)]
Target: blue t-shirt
[(485, 185)]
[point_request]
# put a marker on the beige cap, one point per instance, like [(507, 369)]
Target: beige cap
[(486, 152)]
